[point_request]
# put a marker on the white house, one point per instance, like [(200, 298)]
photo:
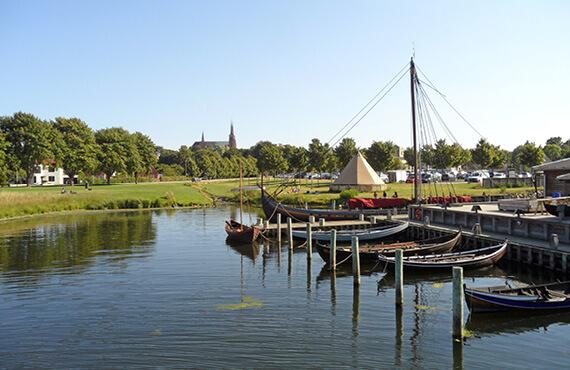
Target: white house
[(47, 175)]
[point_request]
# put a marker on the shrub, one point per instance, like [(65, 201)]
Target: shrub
[(345, 195)]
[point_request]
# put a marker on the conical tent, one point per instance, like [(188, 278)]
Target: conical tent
[(358, 174)]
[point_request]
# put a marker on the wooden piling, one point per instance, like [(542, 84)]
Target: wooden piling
[(399, 271), (457, 303), (309, 242), (279, 228), (332, 256), (312, 219), (321, 222), (355, 262), (290, 232)]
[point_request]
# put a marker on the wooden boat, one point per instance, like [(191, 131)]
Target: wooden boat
[(553, 209), (240, 232), (369, 253), (552, 296), (237, 231), (373, 233), (476, 258), (271, 207)]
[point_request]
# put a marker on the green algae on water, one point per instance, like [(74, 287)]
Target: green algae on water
[(246, 303)]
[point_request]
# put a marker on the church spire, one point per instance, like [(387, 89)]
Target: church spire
[(232, 141), (203, 136)]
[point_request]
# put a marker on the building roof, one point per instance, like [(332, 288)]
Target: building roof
[(358, 172), (210, 144), (561, 164), (565, 177)]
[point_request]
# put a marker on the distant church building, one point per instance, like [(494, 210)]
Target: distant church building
[(231, 144)]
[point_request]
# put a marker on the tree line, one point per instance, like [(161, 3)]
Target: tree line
[(27, 141)]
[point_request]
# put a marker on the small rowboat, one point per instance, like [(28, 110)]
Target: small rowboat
[(552, 296), (240, 232), (373, 233), (369, 253), (468, 259)]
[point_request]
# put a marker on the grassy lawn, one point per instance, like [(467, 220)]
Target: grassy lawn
[(25, 201), (36, 200)]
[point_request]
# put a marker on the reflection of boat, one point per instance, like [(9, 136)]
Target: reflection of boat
[(412, 277), (250, 250), (370, 252), (552, 296), (240, 232), (373, 233), (475, 258), (514, 322), (237, 230), (553, 209), (271, 207)]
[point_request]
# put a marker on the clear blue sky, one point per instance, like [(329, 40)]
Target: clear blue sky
[(286, 71)]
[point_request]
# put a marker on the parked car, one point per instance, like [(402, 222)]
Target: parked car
[(427, 177), (383, 177), (448, 176), (498, 175), (524, 175), (410, 179), (477, 176)]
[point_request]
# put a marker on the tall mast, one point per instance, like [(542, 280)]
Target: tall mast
[(240, 194), (417, 180)]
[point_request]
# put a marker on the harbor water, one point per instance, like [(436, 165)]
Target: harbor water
[(163, 289)]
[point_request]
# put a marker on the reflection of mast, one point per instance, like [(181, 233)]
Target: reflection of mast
[(355, 311), (241, 280), (333, 292), (415, 336), (399, 336)]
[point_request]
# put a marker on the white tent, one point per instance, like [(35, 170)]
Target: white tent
[(358, 174)]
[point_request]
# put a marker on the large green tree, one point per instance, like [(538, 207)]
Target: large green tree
[(484, 154), (4, 165), (553, 151), (529, 155), (31, 142), (115, 149), (270, 159), (186, 160), (382, 156), (345, 151), (321, 156), (147, 155), (79, 150)]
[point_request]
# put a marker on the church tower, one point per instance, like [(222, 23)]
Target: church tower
[(232, 143)]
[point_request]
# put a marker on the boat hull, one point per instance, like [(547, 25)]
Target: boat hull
[(479, 300), (271, 208), (370, 253), (553, 210), (241, 233), (473, 259), (363, 235)]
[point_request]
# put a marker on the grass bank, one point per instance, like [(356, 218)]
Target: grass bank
[(15, 202)]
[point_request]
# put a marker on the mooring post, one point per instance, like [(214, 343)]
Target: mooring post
[(355, 261), (332, 256), (321, 222), (457, 302), (279, 227), (312, 219), (399, 271), (309, 242), (389, 215), (333, 204), (290, 232), (361, 217)]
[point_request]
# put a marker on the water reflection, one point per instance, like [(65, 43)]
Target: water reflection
[(74, 241), (249, 250), (399, 340), (489, 324)]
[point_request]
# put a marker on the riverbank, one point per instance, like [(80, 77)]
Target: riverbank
[(17, 202)]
